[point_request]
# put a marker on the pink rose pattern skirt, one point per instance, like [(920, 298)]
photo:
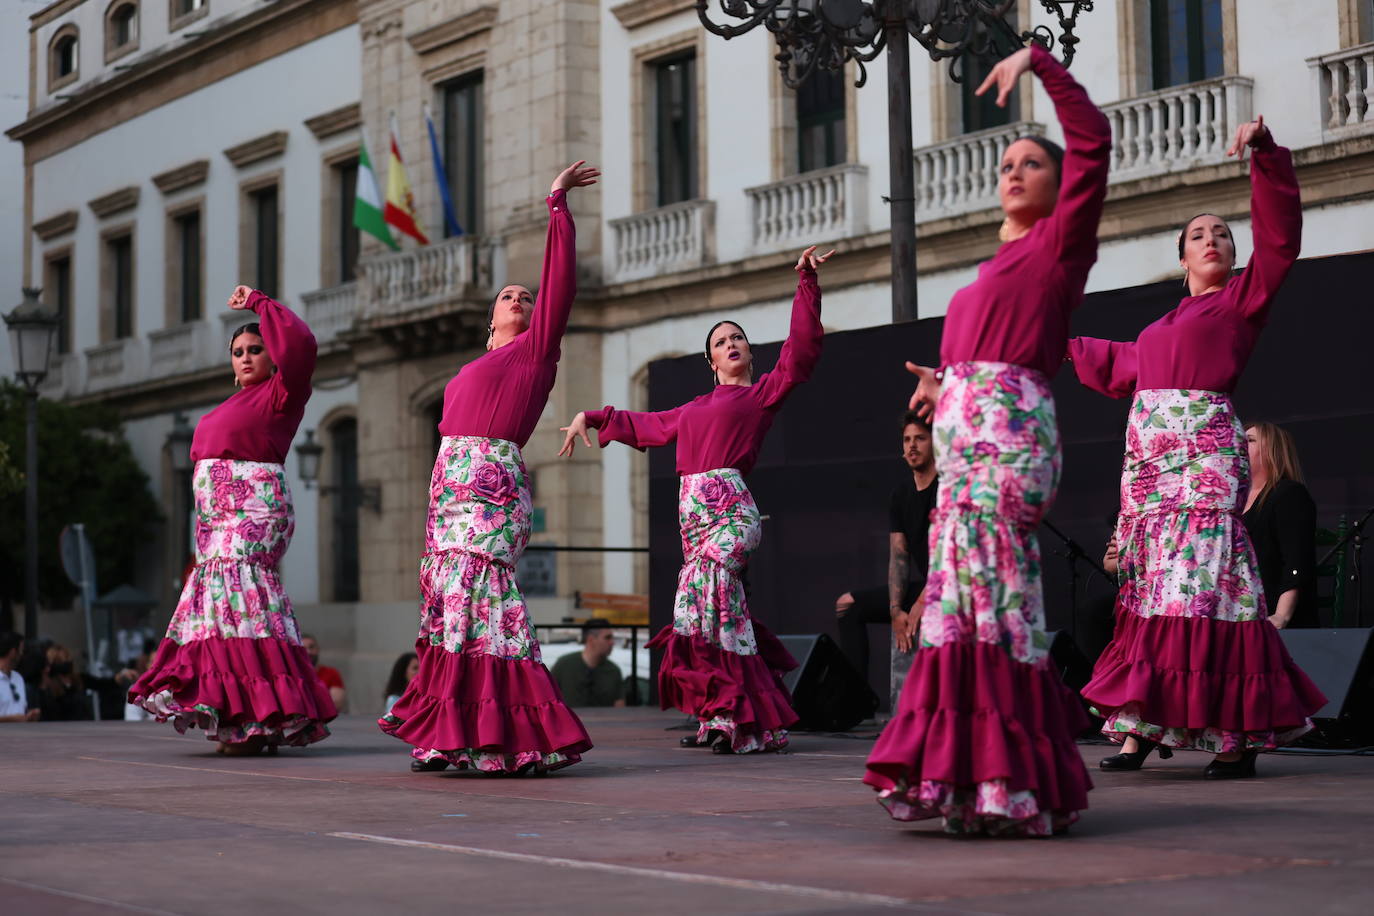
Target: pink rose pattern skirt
[(1194, 661), (482, 698), (719, 665), (984, 732), (232, 662)]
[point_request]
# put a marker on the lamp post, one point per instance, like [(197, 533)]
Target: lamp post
[(826, 33), (31, 326), (179, 454)]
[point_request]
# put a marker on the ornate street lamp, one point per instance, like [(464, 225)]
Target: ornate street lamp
[(827, 33), (308, 454), (308, 459), (179, 443), (32, 326)]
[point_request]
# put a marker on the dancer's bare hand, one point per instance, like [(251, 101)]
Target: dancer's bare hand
[(578, 427), (927, 391), (1005, 74), (810, 259), (239, 300), (904, 627), (1251, 133), (575, 176)]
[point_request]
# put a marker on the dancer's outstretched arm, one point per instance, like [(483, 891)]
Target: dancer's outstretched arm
[(802, 349), (558, 279), (635, 428), (1275, 218), (1106, 366)]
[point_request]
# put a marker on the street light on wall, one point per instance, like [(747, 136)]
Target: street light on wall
[(813, 34), (308, 455), (179, 443), (32, 326)]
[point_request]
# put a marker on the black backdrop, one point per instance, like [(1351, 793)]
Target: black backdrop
[(833, 454)]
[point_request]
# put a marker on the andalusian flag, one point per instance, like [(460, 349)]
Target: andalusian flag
[(367, 201), (400, 202)]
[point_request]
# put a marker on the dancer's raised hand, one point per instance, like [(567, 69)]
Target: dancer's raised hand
[(575, 176), (239, 298), (1005, 74), (927, 390), (1248, 134), (810, 259), (578, 427)]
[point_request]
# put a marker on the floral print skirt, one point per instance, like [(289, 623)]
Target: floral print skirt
[(1194, 661), (984, 732), (232, 662), (718, 664), (482, 698)]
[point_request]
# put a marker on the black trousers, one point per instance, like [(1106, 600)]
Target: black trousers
[(870, 606)]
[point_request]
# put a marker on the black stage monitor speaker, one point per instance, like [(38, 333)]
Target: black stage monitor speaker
[(827, 693), (1340, 662), (1074, 668)]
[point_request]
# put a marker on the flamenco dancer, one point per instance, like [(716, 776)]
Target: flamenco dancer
[(1195, 661), (718, 664), (482, 698), (983, 736), (232, 662)]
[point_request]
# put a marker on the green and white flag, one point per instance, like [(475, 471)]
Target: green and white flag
[(367, 202)]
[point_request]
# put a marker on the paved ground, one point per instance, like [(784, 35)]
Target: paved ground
[(115, 817)]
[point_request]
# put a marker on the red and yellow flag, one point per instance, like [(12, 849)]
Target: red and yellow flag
[(400, 202)]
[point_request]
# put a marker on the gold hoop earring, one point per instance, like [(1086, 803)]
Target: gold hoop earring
[(1185, 278), (1004, 230)]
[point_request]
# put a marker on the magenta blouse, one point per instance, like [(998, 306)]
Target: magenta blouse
[(1206, 341), (501, 394), (724, 428), (257, 423), (1017, 311)]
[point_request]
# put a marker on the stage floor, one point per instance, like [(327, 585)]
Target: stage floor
[(132, 817)]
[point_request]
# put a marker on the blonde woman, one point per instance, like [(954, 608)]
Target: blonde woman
[(1282, 520)]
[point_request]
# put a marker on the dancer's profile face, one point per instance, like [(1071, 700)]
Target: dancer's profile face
[(248, 354), (1028, 182), (916, 447), (514, 305), (731, 357), (1209, 252)]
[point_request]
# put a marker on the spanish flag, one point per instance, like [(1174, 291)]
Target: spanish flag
[(400, 202)]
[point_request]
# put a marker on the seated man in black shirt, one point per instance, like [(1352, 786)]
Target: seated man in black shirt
[(908, 554)]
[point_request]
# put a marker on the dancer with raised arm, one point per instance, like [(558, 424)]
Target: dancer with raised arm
[(719, 664), (1193, 661), (983, 735), (232, 662), (483, 698)]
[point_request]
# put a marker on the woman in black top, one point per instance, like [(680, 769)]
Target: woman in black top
[(1282, 521)]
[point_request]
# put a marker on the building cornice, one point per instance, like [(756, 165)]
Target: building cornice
[(636, 13), (114, 202), (52, 11), (257, 149), (56, 225), (227, 46), (183, 176), (336, 121), (454, 30)]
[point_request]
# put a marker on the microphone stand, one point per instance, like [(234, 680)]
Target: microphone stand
[(1072, 553), (1356, 537)]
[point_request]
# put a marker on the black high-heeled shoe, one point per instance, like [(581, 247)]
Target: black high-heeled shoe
[(1135, 759), (433, 765), (693, 741), (1244, 768)]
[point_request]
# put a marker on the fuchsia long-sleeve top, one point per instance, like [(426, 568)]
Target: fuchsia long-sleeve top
[(1206, 341), (1017, 311), (725, 427), (257, 423), (501, 394)]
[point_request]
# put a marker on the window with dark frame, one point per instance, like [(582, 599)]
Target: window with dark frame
[(189, 296), (981, 112), (120, 251), (345, 230), (343, 448), (266, 244), (1186, 41), (820, 120), (186, 7), (463, 145), (675, 128), (124, 25), (59, 297), (64, 56)]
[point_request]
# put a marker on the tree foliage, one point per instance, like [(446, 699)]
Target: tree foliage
[(86, 473)]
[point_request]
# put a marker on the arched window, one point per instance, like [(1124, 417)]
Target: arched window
[(63, 59), (121, 28)]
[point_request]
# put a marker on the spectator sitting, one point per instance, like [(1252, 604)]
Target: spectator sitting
[(589, 677), (402, 673), (14, 697), (328, 676), (131, 673), (61, 693)]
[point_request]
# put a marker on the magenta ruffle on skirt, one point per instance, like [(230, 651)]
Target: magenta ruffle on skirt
[(471, 709), (1195, 673), (236, 689), (984, 741), (711, 683)]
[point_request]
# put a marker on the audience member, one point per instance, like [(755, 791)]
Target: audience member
[(14, 695), (328, 676), (589, 677), (402, 673)]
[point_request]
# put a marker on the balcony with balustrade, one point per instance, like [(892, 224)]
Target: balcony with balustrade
[(829, 203), (426, 277), (959, 175), (330, 312), (1345, 90), (676, 237), (1178, 128)]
